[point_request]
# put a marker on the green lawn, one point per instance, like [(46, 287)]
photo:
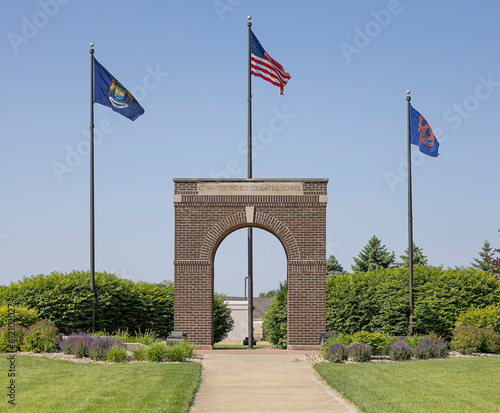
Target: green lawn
[(444, 385), (44, 385)]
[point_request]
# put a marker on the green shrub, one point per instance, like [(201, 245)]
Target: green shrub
[(466, 339), (413, 341), (481, 317), (223, 322), (20, 315), (344, 339), (336, 353), (141, 354), (360, 352), (65, 299), (180, 351), (375, 340), (157, 352), (11, 338), (377, 301), (490, 341), (42, 336), (275, 319), (117, 354)]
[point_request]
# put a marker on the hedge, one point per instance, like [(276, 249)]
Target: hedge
[(65, 299), (377, 301)]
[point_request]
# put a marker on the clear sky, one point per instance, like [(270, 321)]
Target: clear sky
[(351, 64)]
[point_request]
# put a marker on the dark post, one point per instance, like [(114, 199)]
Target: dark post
[(250, 244), (92, 249), (410, 217)]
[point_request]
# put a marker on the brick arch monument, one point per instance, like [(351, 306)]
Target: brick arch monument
[(207, 210)]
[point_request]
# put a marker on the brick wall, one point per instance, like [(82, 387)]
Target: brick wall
[(203, 221)]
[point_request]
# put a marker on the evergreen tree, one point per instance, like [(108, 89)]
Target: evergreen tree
[(333, 267), (418, 257), (374, 256), (485, 256)]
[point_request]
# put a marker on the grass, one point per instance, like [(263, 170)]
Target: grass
[(439, 385), (239, 344), (44, 385)]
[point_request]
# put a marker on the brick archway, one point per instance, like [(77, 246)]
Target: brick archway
[(206, 211)]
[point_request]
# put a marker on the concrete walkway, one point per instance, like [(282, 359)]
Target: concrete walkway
[(263, 381)]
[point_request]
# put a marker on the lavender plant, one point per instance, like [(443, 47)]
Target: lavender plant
[(360, 352), (336, 353), (100, 346), (400, 351), (428, 348)]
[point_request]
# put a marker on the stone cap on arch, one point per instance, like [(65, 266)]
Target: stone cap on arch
[(289, 190)]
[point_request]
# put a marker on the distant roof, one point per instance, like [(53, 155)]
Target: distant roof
[(261, 305)]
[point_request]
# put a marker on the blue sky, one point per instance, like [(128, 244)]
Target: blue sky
[(186, 62)]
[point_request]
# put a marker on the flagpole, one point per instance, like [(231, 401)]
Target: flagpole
[(250, 243), (92, 248), (410, 217)]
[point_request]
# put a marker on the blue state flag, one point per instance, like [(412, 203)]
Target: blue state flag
[(109, 92), (421, 134)]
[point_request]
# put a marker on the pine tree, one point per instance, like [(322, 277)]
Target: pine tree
[(333, 267), (373, 257), (485, 256), (418, 257)]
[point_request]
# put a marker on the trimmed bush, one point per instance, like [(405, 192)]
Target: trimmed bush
[(11, 340), (377, 301), (481, 317), (117, 354), (122, 305), (399, 351), (337, 353), (375, 340), (22, 316), (360, 352), (42, 336), (490, 341), (466, 339)]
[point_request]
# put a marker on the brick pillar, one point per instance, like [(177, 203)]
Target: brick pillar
[(306, 303), (194, 301)]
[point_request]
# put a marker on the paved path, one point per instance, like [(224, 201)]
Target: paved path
[(263, 381)]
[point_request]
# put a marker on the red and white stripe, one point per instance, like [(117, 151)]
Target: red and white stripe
[(269, 69)]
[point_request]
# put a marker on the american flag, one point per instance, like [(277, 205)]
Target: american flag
[(266, 67)]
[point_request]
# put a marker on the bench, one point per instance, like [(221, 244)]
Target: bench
[(176, 337), (325, 336)]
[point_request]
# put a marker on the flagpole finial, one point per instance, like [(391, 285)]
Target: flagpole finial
[(91, 48), (249, 18), (91, 44), (408, 98)]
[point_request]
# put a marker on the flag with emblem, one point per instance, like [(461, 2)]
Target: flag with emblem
[(422, 135), (108, 91), (266, 67)]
